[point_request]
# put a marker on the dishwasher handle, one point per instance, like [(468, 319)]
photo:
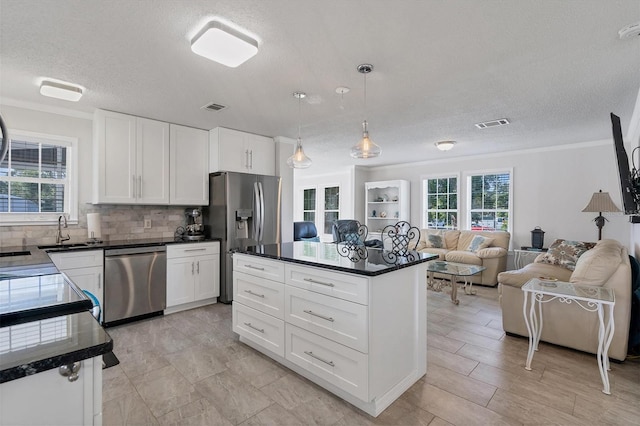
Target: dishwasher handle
[(134, 250)]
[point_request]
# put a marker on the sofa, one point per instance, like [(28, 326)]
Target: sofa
[(483, 248), (603, 264)]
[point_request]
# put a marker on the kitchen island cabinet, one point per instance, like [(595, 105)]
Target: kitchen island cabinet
[(358, 329)]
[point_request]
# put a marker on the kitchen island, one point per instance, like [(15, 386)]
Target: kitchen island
[(354, 325), (51, 346)]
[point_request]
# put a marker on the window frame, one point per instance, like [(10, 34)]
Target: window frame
[(71, 188), (425, 201), (468, 210)]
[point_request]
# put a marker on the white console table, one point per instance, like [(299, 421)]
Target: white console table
[(589, 298)]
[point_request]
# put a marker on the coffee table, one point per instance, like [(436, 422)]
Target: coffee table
[(454, 270)]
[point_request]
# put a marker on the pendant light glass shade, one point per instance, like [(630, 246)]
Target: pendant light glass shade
[(366, 148), (299, 159)]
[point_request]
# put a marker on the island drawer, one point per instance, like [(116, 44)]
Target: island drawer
[(339, 320), (264, 295), (343, 286), (341, 366), (259, 267), (260, 328)]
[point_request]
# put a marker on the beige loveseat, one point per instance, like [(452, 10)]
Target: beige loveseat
[(606, 264), (489, 250)]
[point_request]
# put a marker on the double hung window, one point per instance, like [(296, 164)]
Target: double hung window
[(37, 179), (440, 202), (490, 201)]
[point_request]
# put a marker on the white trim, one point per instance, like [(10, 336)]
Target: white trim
[(47, 108), (579, 145)]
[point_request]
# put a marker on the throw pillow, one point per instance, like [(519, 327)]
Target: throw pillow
[(479, 242), (435, 241), (565, 253)]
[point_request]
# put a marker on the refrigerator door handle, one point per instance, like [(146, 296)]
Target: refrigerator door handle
[(261, 190), (256, 212)]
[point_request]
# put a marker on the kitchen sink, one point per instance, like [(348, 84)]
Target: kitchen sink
[(63, 246)]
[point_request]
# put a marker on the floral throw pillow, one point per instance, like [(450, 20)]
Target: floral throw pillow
[(565, 253), (479, 242), (435, 241)]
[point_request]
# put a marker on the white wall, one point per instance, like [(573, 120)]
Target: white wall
[(550, 188), (284, 149)]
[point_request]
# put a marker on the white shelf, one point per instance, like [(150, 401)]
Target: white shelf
[(397, 191)]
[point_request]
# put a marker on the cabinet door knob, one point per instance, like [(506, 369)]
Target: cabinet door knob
[(70, 371)]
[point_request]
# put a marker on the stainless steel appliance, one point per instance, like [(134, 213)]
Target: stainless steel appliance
[(135, 283), (4, 140), (244, 210), (194, 230)]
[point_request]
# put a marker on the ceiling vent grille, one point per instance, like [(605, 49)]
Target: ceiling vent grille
[(214, 107), (492, 123)]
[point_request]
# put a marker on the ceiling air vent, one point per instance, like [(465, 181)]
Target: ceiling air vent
[(214, 107), (492, 123)]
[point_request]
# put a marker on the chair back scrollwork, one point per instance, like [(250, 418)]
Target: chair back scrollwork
[(399, 240), (350, 239)]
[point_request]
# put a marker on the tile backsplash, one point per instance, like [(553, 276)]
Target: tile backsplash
[(118, 222)]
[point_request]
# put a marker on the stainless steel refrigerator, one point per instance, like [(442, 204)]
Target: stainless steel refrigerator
[(244, 210)]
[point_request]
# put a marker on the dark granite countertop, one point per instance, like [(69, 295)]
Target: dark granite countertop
[(327, 255), (42, 345)]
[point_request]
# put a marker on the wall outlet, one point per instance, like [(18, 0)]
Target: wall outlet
[(147, 224)]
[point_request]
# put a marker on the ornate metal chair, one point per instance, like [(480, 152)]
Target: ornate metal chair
[(399, 240), (350, 236)]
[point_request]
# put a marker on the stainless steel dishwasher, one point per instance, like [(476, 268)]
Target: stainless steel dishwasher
[(135, 283)]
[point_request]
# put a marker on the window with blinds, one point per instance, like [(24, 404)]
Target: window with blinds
[(36, 178), (490, 203)]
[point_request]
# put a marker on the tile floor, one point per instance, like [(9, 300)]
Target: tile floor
[(188, 368)]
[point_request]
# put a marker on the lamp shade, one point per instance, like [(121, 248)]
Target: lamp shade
[(601, 202), (299, 159)]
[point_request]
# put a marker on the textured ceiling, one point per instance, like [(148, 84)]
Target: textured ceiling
[(554, 68)]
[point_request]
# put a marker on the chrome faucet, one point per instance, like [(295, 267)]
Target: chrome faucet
[(59, 238)]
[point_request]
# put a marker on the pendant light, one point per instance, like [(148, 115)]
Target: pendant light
[(366, 148), (299, 159)]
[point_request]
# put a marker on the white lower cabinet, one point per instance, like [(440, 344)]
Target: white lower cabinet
[(193, 274), (47, 398), (84, 268), (361, 337)]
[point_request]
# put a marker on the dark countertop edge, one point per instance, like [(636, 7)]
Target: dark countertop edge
[(50, 363), (340, 268), (44, 312)]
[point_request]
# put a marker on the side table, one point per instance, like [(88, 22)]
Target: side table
[(525, 255), (589, 298)]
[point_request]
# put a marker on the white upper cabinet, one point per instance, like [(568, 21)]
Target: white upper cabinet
[(236, 151), (189, 178), (131, 159)]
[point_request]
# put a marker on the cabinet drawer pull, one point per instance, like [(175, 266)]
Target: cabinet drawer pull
[(254, 267), (195, 249), (311, 280), (319, 316), (312, 355), (248, 324), (254, 294)]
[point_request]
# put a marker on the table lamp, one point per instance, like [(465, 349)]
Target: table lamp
[(600, 202)]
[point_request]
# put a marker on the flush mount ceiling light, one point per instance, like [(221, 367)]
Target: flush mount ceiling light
[(59, 90), (223, 44), (445, 145), (366, 148), (299, 159)]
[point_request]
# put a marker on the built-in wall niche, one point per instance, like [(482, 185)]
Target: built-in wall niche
[(387, 202)]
